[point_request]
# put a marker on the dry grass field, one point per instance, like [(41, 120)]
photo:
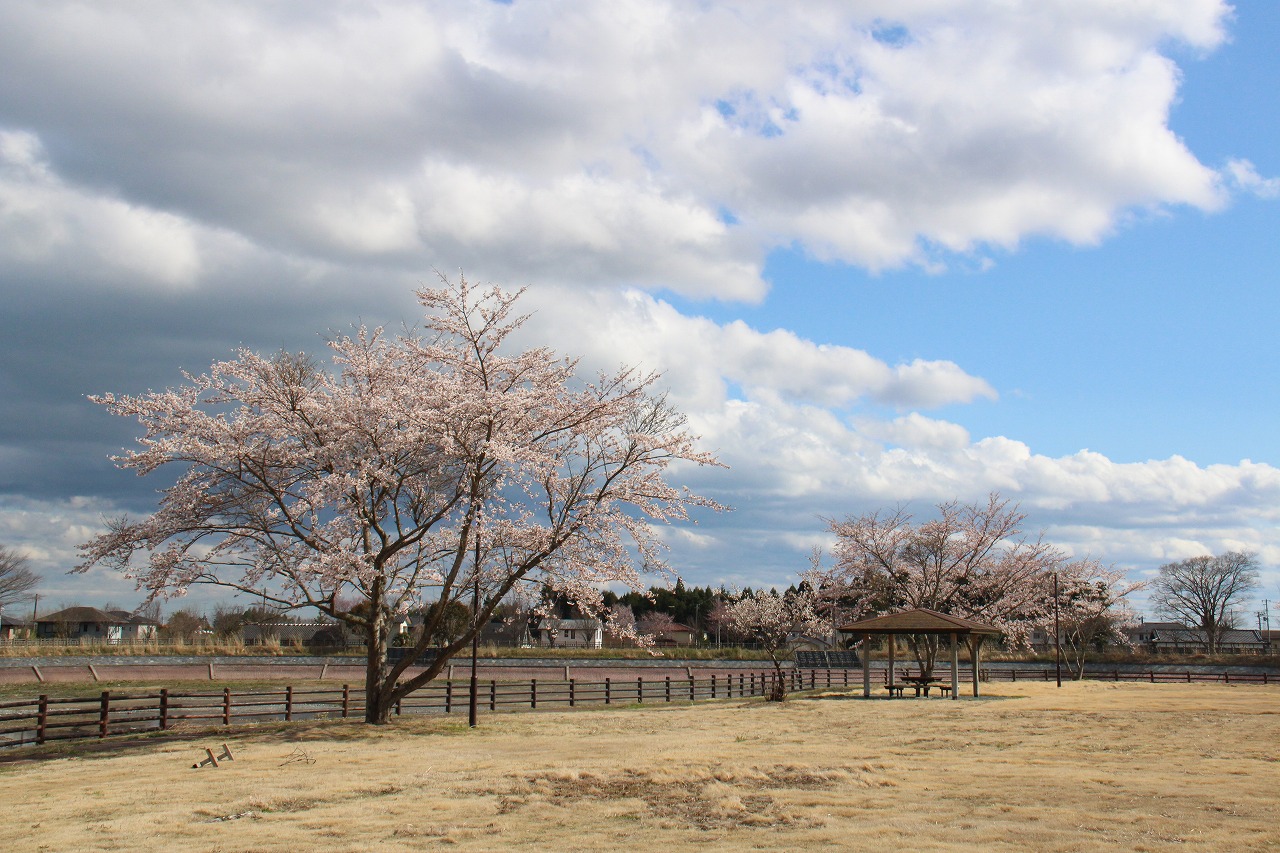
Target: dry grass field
[(1093, 766)]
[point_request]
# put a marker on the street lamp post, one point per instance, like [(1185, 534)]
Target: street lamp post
[(1057, 633), (475, 640)]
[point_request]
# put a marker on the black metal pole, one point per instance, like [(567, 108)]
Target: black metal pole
[(475, 640), (1057, 632)]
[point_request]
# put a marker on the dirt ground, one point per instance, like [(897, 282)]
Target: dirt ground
[(1093, 766)]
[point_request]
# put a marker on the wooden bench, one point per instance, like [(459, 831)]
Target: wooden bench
[(944, 689), (895, 689)]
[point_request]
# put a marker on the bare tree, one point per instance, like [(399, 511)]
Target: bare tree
[(16, 577), (1202, 591)]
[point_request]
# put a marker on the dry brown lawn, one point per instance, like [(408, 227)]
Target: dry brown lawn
[(1090, 767)]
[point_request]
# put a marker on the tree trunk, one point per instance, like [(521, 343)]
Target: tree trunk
[(925, 649), (778, 692), (377, 693)]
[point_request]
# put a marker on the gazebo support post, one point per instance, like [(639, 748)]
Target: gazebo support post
[(893, 647), (955, 666), (866, 665), (975, 653)]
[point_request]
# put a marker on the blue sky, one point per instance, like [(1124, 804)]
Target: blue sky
[(885, 252), (1151, 343)]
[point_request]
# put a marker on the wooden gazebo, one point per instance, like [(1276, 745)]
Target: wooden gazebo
[(922, 621)]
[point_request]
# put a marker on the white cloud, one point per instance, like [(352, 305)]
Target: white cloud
[(599, 144), (1244, 176), (804, 439), (607, 149), (703, 359), (44, 223)]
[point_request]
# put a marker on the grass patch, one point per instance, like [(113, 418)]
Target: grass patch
[(1093, 766)]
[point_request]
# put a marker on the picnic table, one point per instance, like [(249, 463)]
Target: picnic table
[(923, 683)]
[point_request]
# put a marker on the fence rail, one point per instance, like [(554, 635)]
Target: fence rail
[(47, 719), (1152, 676)]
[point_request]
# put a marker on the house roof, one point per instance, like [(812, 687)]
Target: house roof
[(560, 624), (918, 621), (132, 619), (1197, 635), (84, 614)]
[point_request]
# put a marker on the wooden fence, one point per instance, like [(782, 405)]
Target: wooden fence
[(1153, 676), (48, 719)]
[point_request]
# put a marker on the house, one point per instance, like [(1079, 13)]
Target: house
[(136, 627), (1172, 638), (90, 623), (676, 635), (14, 629), (569, 633)]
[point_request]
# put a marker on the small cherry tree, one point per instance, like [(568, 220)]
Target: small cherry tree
[(419, 468), (1093, 610), (771, 621)]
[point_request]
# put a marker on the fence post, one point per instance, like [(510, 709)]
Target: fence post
[(693, 690), (639, 690), (164, 708), (608, 697), (346, 700), (493, 694), (667, 684), (288, 703), (573, 698), (448, 697), (226, 706), (43, 719), (713, 685), (104, 714), (398, 706), (846, 676), (533, 693), (1153, 676)]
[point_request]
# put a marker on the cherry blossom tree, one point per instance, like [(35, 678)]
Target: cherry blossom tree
[(422, 467), (968, 561), (1093, 610), (656, 624), (771, 620)]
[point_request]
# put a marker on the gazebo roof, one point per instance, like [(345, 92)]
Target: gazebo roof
[(918, 621)]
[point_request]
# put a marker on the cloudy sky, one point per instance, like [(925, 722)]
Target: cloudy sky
[(885, 251)]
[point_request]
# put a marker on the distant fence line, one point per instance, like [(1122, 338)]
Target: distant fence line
[(1153, 676)]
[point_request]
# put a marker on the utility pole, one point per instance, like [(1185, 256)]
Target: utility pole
[(1265, 624), (475, 639), (1057, 632)]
